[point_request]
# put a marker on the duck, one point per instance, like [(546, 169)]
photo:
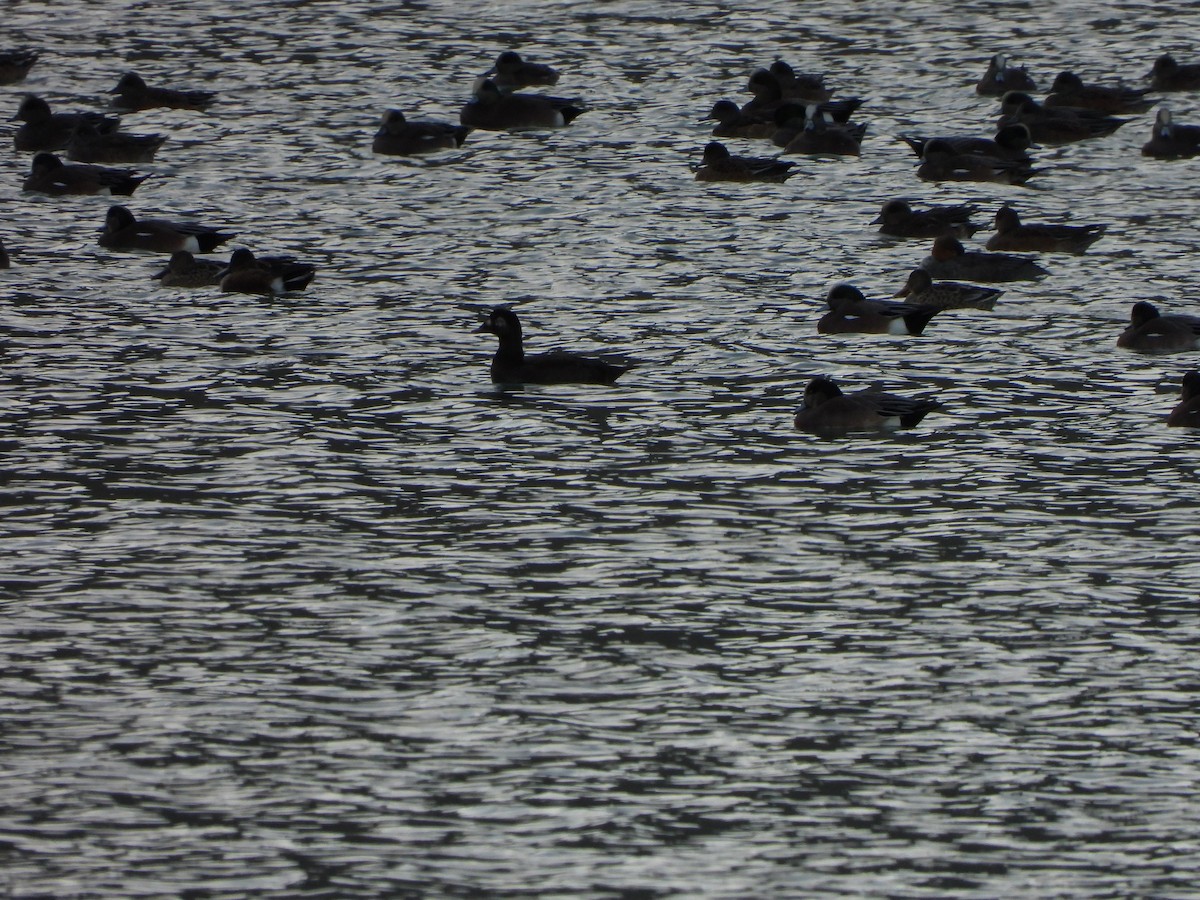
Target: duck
[(941, 162), (1001, 78), (1171, 141), (949, 259), (733, 123), (1055, 124), (827, 409), (852, 313), (809, 88), (792, 118), (90, 145), (1012, 142), (718, 164), (268, 275), (1150, 331), (48, 130), (1169, 75), (820, 137), (922, 290), (4, 261), (1187, 413), (185, 269), (1012, 234), (1070, 90), (512, 366), (511, 73), (122, 231), (50, 175), (493, 110), (133, 94), (15, 64), (897, 218), (399, 137)]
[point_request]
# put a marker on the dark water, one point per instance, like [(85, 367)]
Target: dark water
[(297, 605)]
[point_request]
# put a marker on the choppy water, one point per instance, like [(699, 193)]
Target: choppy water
[(297, 605)]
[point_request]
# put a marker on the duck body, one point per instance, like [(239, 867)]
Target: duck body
[(189, 271), (48, 130), (493, 110), (718, 164), (89, 145), (511, 73), (920, 289), (268, 275), (1011, 234), (827, 409), (1171, 141), (1150, 331), (1000, 78), (898, 219), (941, 162), (1169, 75), (852, 313), (511, 365), (122, 231), (399, 137), (1070, 90), (949, 260), (1055, 124), (50, 175), (1187, 413), (15, 64), (1012, 142)]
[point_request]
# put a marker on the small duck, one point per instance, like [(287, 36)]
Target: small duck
[(133, 94), (948, 259), (941, 162), (1169, 75), (89, 145), (820, 137), (827, 409), (1069, 90), (50, 175), (493, 110), (718, 164), (1055, 124), (1000, 78), (4, 261), (922, 290), (852, 313), (768, 94), (15, 64), (122, 231), (733, 123), (47, 130), (268, 275), (809, 88), (511, 73), (189, 271), (1187, 413), (399, 137), (1012, 142), (1011, 234), (1150, 331), (898, 219), (511, 366), (1171, 141)]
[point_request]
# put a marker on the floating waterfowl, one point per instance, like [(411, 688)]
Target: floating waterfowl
[(852, 313), (1150, 331), (399, 137), (122, 231), (827, 409), (718, 164), (511, 365)]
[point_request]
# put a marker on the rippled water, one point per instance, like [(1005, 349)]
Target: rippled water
[(297, 605)]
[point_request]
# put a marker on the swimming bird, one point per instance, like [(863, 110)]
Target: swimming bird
[(1070, 90), (898, 219), (852, 313), (1150, 331), (1171, 141), (941, 162), (949, 259), (1187, 413), (48, 130), (511, 73), (187, 270), (512, 366), (733, 123), (15, 64), (399, 137), (492, 110), (1012, 142), (820, 137), (268, 275), (922, 290), (89, 145), (1012, 234), (718, 164), (50, 175), (133, 94), (4, 261), (1055, 124), (1000, 78), (1169, 75), (826, 408), (122, 231), (807, 87)]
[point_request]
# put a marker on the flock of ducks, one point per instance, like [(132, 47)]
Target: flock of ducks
[(795, 111)]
